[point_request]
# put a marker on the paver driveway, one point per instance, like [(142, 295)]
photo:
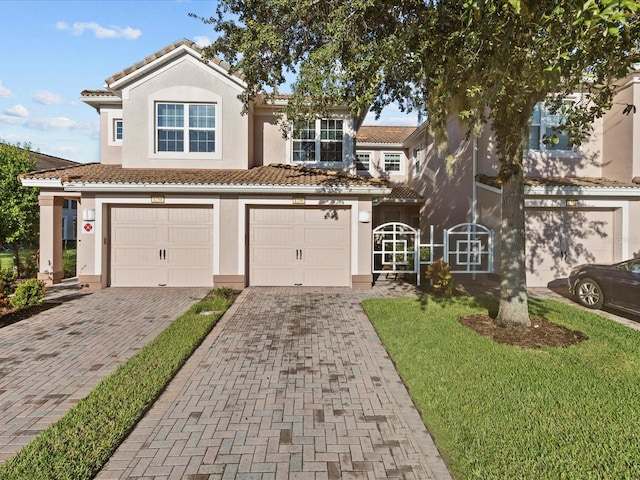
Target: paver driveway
[(55, 358), (292, 384)]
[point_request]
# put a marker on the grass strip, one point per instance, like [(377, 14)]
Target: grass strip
[(78, 445), (498, 412)]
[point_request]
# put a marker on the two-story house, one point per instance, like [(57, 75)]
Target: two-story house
[(193, 191), (582, 205)]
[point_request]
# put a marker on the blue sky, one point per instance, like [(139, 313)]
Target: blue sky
[(52, 50)]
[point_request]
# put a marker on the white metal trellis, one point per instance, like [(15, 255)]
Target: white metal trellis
[(466, 247)]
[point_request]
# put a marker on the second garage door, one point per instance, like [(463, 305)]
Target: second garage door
[(299, 246), (157, 246)]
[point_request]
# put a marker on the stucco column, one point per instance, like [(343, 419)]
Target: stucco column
[(363, 280), (50, 270)]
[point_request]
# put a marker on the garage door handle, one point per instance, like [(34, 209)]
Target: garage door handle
[(164, 254), (160, 254), (300, 254)]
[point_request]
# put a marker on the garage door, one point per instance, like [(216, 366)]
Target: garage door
[(299, 246), (558, 240), (158, 246)]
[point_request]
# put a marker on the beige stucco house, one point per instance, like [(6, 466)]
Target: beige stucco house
[(582, 205), (192, 191)]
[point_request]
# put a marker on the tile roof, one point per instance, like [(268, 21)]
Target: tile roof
[(162, 53), (402, 195), (48, 162), (588, 182), (381, 134), (268, 175)]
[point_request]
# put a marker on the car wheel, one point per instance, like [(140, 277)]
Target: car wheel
[(589, 293)]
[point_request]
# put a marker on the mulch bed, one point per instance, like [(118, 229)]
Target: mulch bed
[(541, 333)]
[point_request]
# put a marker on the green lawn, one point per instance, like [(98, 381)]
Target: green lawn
[(68, 260), (501, 412)]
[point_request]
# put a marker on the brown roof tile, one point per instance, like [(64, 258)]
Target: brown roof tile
[(275, 174), (402, 195), (381, 134), (562, 182)]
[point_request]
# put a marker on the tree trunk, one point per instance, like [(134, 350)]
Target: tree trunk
[(514, 308), (16, 258)]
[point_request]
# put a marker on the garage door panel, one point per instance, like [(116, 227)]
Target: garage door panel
[(188, 256), (139, 277), (189, 235), (268, 216), (325, 236), (273, 235), (325, 256), (262, 256)]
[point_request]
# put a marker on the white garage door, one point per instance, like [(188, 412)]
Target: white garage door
[(299, 246), (558, 240), (157, 246)]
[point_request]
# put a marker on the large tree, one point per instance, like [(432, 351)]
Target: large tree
[(19, 210), (485, 61)]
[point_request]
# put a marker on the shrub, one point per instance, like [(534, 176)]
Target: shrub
[(439, 274), (28, 294), (7, 284)]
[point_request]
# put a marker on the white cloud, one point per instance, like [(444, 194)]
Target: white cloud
[(99, 31), (4, 92), (17, 111), (202, 41), (48, 98), (60, 123)]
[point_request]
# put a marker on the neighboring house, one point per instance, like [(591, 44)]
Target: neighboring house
[(192, 192), (582, 205), (70, 207)]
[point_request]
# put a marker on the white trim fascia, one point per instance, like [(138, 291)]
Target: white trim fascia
[(583, 191), (489, 188), (247, 189), (42, 182), (379, 146), (98, 101)]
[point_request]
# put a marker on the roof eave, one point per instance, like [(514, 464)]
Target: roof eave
[(581, 191), (217, 188)]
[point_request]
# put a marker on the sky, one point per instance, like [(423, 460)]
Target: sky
[(52, 50)]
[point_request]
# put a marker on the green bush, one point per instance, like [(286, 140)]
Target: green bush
[(439, 274), (28, 294), (7, 284)]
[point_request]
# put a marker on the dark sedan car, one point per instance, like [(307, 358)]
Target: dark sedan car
[(616, 285)]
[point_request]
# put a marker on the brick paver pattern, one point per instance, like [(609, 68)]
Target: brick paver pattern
[(293, 383), (55, 358)]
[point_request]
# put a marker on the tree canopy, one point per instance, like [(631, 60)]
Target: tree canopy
[(19, 210), (485, 61)]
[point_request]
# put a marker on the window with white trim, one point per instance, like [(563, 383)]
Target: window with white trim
[(186, 127), (363, 161), (544, 124), (416, 161), (117, 129), (392, 162), (319, 140)]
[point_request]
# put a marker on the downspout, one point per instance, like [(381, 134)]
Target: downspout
[(474, 189)]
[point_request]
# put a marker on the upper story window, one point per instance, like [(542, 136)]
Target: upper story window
[(363, 161), (392, 162), (544, 124), (319, 140), (416, 161), (185, 127), (117, 130)]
